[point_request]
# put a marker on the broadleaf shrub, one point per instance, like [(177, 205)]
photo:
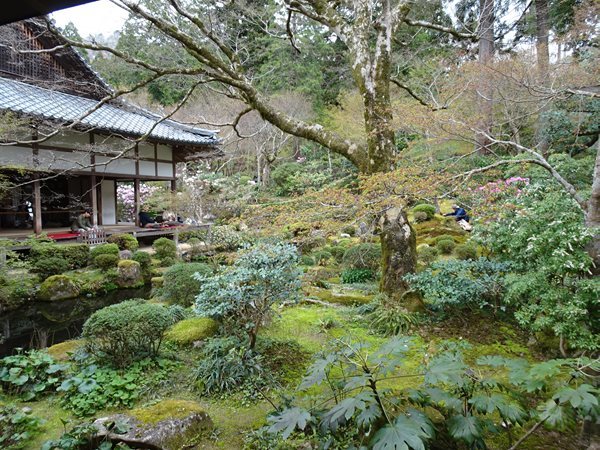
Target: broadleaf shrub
[(17, 427), (427, 254), (357, 275), (125, 241), (29, 374), (127, 331), (76, 255), (180, 286), (363, 256), (53, 265)]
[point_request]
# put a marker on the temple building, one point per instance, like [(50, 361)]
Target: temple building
[(66, 142)]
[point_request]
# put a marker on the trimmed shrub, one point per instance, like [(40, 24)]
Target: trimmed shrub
[(179, 284), (363, 256), (337, 251), (191, 330), (446, 246), (466, 251), (357, 275), (225, 238), (444, 237), (46, 267), (104, 249), (427, 254), (143, 259), (427, 209), (124, 241), (106, 261), (420, 216), (126, 332), (76, 255), (165, 249), (322, 257)]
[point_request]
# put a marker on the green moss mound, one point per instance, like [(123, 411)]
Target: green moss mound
[(58, 287), (190, 330), (62, 351), (166, 410)]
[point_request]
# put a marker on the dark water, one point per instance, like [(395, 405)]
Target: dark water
[(42, 324)]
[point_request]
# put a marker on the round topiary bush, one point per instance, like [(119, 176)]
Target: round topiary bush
[(165, 249), (446, 246), (427, 254), (466, 251), (421, 216), (191, 330), (144, 259), (363, 256), (104, 249), (124, 241), (337, 251), (427, 209), (54, 265), (106, 261), (126, 332), (179, 284)]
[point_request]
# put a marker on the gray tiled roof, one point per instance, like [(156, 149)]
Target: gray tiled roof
[(116, 118)]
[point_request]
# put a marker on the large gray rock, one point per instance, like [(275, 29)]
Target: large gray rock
[(167, 425), (129, 274), (125, 254)]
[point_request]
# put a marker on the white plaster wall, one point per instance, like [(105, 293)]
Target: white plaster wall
[(72, 140), (57, 160), (146, 150), (147, 168), (16, 156), (109, 206), (125, 166)]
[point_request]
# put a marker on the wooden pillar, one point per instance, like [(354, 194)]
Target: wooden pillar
[(136, 196), (37, 207), (94, 195), (173, 186)]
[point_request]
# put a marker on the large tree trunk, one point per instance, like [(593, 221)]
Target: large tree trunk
[(399, 257), (485, 90), (592, 218), (543, 63)]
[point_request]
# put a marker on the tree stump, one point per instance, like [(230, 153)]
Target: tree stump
[(399, 257)]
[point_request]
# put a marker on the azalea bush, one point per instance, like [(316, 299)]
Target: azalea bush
[(126, 199), (243, 295), (545, 239)]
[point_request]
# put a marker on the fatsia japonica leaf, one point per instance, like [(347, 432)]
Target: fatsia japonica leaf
[(318, 371), (467, 428), (584, 397), (346, 409), (408, 431), (444, 399), (368, 415), (288, 420), (448, 368), (555, 415)]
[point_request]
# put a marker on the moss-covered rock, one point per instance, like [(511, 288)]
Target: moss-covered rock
[(62, 351), (157, 282), (340, 297), (169, 425), (129, 274), (58, 287), (189, 331)]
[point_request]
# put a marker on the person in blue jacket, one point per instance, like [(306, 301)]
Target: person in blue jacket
[(459, 213)]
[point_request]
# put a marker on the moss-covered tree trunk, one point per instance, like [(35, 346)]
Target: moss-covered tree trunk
[(592, 218), (399, 257)]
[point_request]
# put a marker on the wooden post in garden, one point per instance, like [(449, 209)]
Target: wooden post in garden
[(136, 199), (37, 207)]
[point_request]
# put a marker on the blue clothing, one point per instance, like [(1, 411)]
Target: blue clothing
[(460, 214)]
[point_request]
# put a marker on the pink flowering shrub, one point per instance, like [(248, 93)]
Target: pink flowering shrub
[(126, 199), (485, 201)]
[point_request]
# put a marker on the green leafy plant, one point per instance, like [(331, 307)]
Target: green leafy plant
[(29, 374), (420, 216), (180, 286), (106, 261), (225, 238), (125, 241), (85, 435), (461, 284), (322, 257), (427, 254), (76, 255), (357, 275), (127, 331), (17, 426), (390, 318), (91, 388), (242, 296), (307, 260)]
